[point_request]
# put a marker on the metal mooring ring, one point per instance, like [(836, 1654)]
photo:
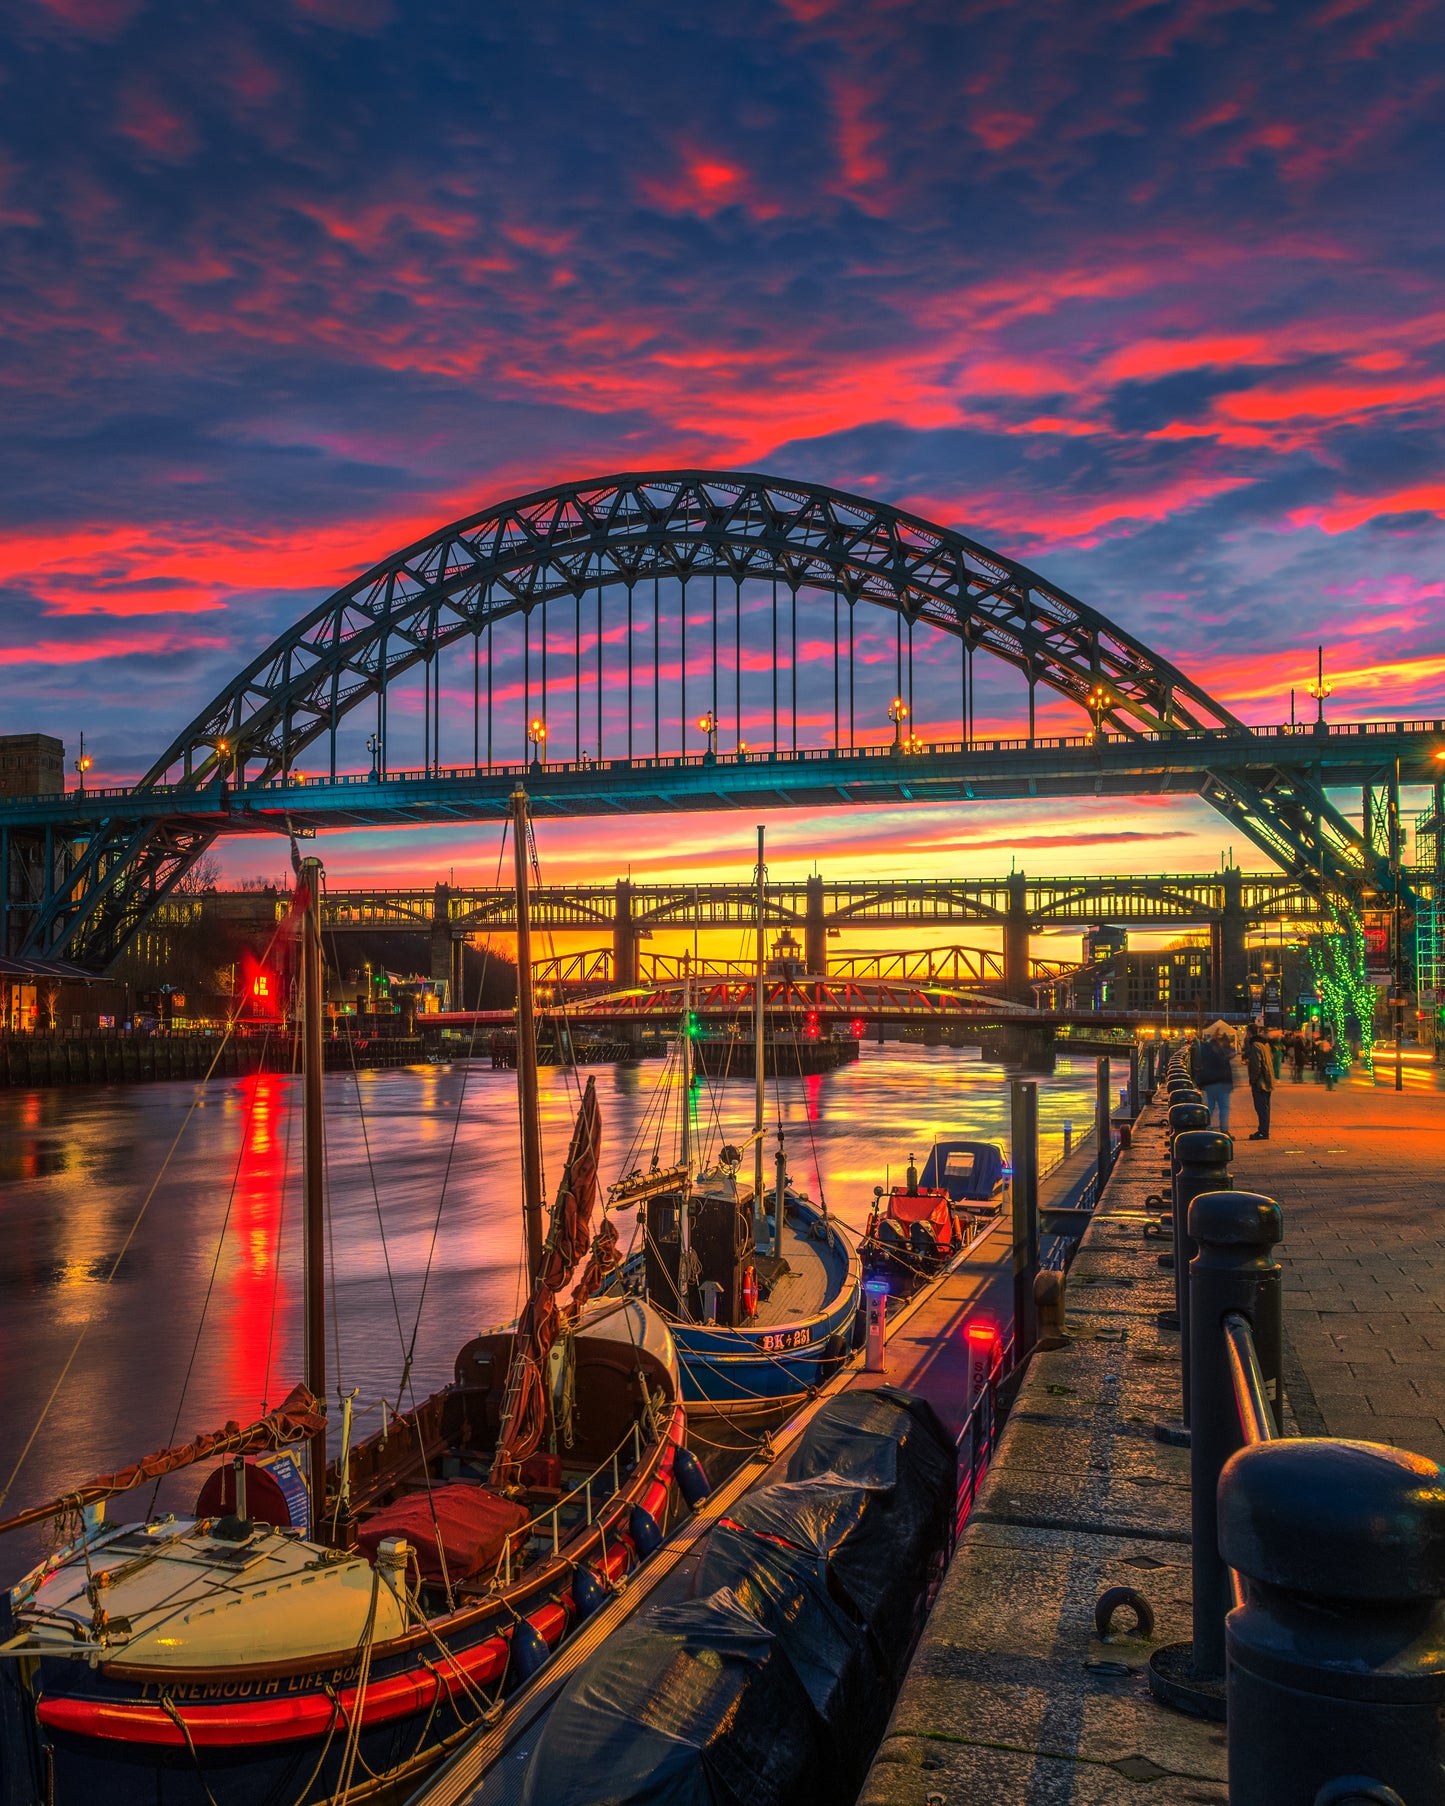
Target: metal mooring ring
[(1110, 1602)]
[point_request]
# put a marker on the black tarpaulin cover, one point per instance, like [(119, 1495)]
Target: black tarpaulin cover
[(848, 1437), (830, 1650), (694, 1705)]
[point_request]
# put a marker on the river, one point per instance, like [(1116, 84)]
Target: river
[(122, 1208)]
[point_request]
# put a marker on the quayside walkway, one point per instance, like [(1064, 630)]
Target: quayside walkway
[(1359, 1173), (1014, 1697)]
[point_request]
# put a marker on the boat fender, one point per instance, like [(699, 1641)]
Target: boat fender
[(691, 1476), (645, 1531), (588, 1593), (835, 1352), (529, 1650)]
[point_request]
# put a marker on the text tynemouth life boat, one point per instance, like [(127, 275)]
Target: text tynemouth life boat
[(761, 1303), (324, 1634)]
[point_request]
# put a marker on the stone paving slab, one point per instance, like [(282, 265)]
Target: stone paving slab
[(1359, 1173)]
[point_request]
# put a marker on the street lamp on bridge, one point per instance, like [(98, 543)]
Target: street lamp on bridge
[(373, 746), (82, 765), (707, 724), (1321, 687), (898, 714), (1098, 702), (537, 734)]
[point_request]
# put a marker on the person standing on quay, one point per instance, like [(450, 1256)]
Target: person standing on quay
[(1259, 1058), (1214, 1072)]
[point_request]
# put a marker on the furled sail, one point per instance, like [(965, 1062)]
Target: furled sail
[(524, 1412), (295, 1419)]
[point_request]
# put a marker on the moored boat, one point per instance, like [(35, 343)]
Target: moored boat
[(916, 1228), (323, 1632), (761, 1300)]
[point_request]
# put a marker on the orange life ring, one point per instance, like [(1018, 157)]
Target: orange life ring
[(750, 1292)]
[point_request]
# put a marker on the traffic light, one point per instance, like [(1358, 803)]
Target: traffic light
[(810, 1027), (856, 1027)]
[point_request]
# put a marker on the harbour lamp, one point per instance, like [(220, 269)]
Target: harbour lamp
[(898, 714), (537, 734), (707, 724)]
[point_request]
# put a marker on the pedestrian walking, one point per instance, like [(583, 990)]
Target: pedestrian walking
[(1259, 1061), (1297, 1057), (1214, 1072), (1325, 1054)]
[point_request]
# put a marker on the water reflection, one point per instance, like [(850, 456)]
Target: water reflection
[(411, 1179)]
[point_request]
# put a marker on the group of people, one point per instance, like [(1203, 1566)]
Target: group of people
[(1217, 1054), (1214, 1063)]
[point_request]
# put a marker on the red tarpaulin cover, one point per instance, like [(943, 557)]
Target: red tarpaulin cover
[(922, 1207), (469, 1522)]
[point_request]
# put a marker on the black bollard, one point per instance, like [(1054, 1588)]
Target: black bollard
[(1202, 1157), (1334, 1656), (1232, 1271), (1182, 1118)]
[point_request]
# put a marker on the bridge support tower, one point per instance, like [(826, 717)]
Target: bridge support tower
[(1229, 960), (815, 930), (624, 939), (1016, 942)]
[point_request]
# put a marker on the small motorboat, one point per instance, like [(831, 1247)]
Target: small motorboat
[(917, 1228)]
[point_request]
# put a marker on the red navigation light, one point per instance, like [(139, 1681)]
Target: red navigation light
[(981, 1331), (810, 1028), (857, 1028)]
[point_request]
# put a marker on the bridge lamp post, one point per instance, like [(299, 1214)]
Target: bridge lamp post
[(82, 765), (898, 714), (1321, 687), (222, 749), (1098, 703), (373, 746), (537, 735), (707, 724)]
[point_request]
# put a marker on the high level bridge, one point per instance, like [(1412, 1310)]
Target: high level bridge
[(1013, 906), (683, 640)]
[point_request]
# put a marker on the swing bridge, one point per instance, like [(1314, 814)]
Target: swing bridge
[(694, 640)]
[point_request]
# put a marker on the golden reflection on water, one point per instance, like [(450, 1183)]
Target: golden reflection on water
[(79, 1163)]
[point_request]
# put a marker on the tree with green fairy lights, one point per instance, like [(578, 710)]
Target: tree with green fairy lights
[(1337, 958)]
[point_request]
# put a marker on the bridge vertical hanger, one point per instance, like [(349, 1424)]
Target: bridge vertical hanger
[(656, 666)]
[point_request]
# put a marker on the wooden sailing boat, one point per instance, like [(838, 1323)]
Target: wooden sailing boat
[(762, 1312), (290, 1645)]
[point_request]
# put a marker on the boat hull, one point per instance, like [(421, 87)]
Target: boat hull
[(277, 1734), (765, 1369)]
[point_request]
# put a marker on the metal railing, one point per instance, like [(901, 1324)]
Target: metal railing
[(886, 750), (1318, 1565)]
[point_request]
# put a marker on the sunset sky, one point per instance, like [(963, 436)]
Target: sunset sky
[(1148, 296)]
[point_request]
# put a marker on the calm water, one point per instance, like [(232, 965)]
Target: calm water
[(77, 1166)]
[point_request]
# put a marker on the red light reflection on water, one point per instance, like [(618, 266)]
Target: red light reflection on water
[(246, 1322)]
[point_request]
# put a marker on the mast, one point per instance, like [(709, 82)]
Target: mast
[(684, 1225), (527, 1047), (314, 1172), (759, 1087)]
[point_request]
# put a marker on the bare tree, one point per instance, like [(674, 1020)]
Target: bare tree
[(204, 875)]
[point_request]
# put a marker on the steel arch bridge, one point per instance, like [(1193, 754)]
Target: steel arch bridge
[(83, 872)]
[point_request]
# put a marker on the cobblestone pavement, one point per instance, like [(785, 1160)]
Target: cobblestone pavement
[(1359, 1173)]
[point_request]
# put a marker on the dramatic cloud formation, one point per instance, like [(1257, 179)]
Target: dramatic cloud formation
[(1147, 295)]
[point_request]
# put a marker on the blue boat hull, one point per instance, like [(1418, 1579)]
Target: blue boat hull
[(769, 1367)]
